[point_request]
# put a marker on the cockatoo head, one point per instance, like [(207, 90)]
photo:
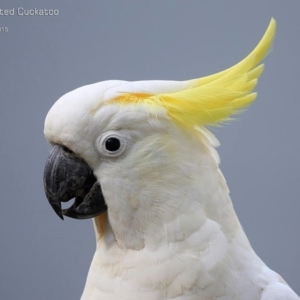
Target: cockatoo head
[(140, 151)]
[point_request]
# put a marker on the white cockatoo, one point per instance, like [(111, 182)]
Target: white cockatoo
[(138, 159)]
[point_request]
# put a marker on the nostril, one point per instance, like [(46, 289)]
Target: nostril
[(67, 150)]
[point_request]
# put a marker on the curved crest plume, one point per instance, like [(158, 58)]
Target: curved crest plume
[(212, 99)]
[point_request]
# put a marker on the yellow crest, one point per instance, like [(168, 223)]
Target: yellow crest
[(212, 99)]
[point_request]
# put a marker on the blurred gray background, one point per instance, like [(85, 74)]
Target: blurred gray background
[(43, 57)]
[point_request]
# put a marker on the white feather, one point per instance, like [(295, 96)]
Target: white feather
[(170, 231)]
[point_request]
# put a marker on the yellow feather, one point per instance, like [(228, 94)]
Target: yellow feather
[(212, 99)]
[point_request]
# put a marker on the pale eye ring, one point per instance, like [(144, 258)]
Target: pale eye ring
[(112, 143)]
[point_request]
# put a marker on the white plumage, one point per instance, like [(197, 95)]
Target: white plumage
[(170, 230)]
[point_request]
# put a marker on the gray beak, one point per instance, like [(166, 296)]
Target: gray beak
[(67, 176)]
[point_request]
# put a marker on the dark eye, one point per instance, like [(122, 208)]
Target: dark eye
[(112, 144)]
